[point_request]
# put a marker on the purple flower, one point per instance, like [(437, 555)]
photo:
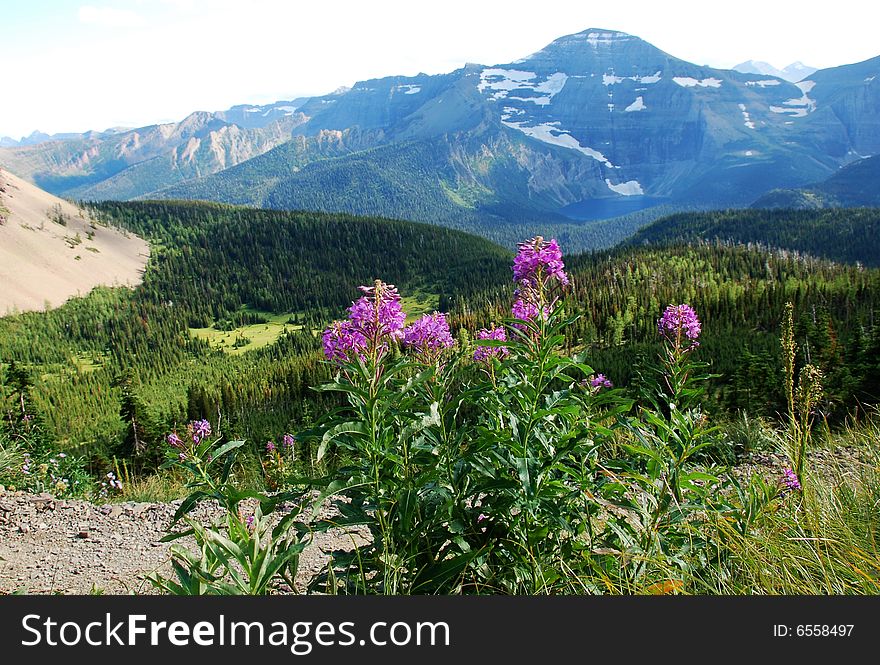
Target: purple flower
[(429, 336), (174, 441), (287, 441), (601, 382), (342, 342), (538, 260), (790, 480), (200, 429), (113, 481), (482, 517), (270, 447), (526, 310), (249, 522), (678, 319), (378, 313), (483, 353)]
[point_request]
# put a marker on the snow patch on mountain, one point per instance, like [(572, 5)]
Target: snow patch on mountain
[(628, 188), (597, 39), (638, 105), (800, 106), (747, 121), (611, 79), (688, 82), (553, 85), (409, 89), (503, 81), (548, 132), (763, 83)]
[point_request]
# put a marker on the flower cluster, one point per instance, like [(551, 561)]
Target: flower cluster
[(342, 342), (199, 429), (678, 322), (378, 313), (538, 261), (484, 353), (537, 269), (196, 431), (600, 381), (111, 483), (373, 320), (276, 460), (790, 481), (55, 474), (428, 337), (525, 310)]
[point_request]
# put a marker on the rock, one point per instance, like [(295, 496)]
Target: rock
[(43, 501), (24, 527), (2, 489)]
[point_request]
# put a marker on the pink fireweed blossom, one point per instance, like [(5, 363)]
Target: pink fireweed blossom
[(790, 481), (373, 320), (482, 354), (525, 310), (428, 337), (200, 429), (378, 313), (601, 382), (287, 441), (538, 261), (342, 342), (174, 441), (270, 447), (679, 322)]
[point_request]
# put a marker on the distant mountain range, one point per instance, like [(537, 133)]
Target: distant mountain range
[(857, 184), (595, 117), (796, 71)]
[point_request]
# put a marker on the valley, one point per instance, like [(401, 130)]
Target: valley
[(597, 320)]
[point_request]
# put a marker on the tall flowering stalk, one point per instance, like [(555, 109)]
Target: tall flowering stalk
[(670, 431), (374, 325), (539, 275), (803, 390)]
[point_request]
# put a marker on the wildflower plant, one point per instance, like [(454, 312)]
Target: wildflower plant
[(465, 484), (803, 392), (660, 500), (278, 460), (241, 554)]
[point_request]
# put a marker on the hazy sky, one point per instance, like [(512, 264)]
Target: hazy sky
[(74, 66)]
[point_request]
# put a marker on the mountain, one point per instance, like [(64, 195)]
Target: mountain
[(50, 250), (597, 116), (796, 71), (125, 164), (854, 185), (843, 235)]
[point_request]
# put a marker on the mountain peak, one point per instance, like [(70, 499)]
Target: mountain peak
[(595, 38)]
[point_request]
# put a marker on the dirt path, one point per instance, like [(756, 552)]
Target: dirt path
[(75, 547)]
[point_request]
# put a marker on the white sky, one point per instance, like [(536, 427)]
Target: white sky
[(72, 65)]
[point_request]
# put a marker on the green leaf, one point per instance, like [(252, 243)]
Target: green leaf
[(342, 428)]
